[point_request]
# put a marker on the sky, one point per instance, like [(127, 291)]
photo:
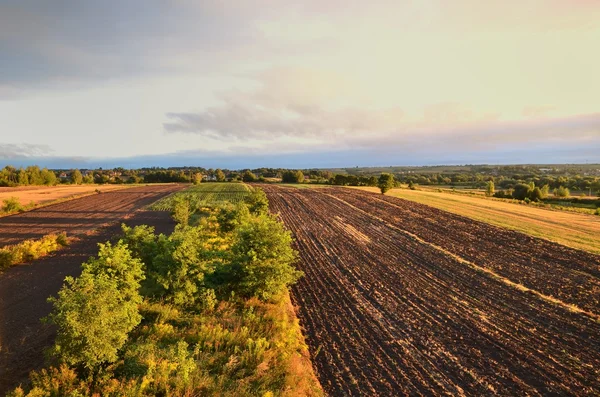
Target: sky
[(311, 84)]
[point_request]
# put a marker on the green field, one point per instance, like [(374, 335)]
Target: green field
[(206, 195)]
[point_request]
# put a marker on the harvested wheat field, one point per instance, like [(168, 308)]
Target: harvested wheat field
[(43, 194), (402, 298)]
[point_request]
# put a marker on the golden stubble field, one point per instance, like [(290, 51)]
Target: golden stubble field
[(45, 194), (575, 230)]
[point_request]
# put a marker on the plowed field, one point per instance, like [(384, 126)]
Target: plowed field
[(401, 298), (80, 215)]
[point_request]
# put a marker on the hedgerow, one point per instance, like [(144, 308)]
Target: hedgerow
[(203, 311)]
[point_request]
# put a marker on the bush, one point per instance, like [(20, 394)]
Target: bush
[(95, 312), (257, 202), (141, 241), (562, 191), (536, 194), (118, 263), (230, 217), (263, 259), (181, 210), (93, 319), (11, 205), (30, 250)]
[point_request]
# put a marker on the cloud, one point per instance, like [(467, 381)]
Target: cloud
[(65, 41), (10, 151), (304, 108), (289, 102)]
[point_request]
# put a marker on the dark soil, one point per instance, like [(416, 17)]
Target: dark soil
[(402, 299)]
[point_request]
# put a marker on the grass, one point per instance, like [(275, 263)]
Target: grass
[(237, 348), (576, 230), (29, 250), (206, 195)]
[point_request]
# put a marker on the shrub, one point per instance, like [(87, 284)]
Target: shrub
[(230, 217), (181, 210), (30, 250), (11, 205), (118, 264), (95, 312), (93, 319), (536, 194), (141, 241), (257, 202), (263, 259), (562, 191)]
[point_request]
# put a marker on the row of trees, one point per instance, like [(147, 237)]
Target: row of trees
[(32, 175), (528, 191)]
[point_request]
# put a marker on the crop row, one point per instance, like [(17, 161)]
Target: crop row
[(205, 195)]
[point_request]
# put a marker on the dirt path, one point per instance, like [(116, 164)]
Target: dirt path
[(25, 288), (405, 299), (82, 215)]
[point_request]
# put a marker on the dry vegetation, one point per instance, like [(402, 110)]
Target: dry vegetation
[(42, 194)]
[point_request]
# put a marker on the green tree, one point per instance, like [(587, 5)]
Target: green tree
[(181, 210), (292, 176), (521, 191), (257, 202), (220, 175), (385, 182), (88, 179), (197, 178), (176, 265), (48, 177), (562, 191), (76, 177), (230, 217), (248, 176), (93, 320), (117, 262), (95, 312), (263, 259), (536, 194), (490, 189), (23, 179)]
